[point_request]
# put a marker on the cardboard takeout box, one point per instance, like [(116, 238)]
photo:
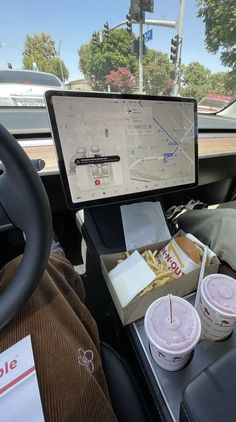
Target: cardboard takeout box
[(138, 306)]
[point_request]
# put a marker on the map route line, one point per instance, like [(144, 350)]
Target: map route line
[(164, 130), (167, 154), (177, 146)]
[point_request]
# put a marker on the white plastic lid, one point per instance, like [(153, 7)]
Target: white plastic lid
[(220, 291), (180, 335)]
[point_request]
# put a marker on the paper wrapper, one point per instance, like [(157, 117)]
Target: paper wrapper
[(176, 259)]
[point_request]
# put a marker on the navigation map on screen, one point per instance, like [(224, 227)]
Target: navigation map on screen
[(116, 146)]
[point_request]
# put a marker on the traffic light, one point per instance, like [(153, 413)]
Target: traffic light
[(129, 23), (138, 8), (174, 49), (106, 30), (135, 47), (147, 5)]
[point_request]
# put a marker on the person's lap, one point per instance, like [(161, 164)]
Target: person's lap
[(65, 344)]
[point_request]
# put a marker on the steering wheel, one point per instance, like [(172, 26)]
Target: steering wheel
[(23, 197)]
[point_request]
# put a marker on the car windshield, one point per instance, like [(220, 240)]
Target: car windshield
[(28, 78), (218, 104), (171, 48)]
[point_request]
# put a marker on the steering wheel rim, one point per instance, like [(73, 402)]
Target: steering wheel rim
[(24, 199)]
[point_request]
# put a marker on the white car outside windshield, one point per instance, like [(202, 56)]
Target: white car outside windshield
[(21, 88)]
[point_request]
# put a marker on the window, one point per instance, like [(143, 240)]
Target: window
[(26, 78)]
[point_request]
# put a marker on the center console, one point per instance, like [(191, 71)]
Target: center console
[(166, 387)]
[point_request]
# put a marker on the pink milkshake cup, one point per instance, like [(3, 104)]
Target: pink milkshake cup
[(173, 328), (217, 306)]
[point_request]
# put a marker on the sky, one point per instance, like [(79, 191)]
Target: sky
[(72, 23)]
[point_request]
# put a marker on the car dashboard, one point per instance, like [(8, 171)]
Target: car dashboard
[(217, 184)]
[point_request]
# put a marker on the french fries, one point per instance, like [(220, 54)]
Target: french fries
[(163, 274)]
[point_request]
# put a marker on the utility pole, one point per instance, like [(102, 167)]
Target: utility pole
[(140, 57), (61, 68), (137, 14)]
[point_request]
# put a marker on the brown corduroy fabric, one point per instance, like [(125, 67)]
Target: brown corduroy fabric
[(65, 345)]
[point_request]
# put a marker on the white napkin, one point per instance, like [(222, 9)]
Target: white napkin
[(130, 277), (143, 224)]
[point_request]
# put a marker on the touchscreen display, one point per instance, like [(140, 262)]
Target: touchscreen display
[(121, 146)]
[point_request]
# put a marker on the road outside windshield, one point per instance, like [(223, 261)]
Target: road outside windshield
[(156, 47)]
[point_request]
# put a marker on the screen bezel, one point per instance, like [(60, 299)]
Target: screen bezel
[(121, 198)]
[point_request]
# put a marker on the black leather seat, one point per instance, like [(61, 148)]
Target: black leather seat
[(211, 396), (127, 399)]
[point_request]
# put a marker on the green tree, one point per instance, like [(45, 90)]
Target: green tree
[(231, 82), (196, 80), (220, 83), (58, 68), (219, 17), (103, 55), (195, 73), (157, 69), (40, 49), (195, 91)]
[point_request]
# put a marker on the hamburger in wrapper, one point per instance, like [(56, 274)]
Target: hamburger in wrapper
[(181, 255)]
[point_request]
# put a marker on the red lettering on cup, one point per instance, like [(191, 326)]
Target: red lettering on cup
[(176, 358), (224, 323), (207, 314)]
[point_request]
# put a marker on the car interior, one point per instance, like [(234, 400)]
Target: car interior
[(90, 228)]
